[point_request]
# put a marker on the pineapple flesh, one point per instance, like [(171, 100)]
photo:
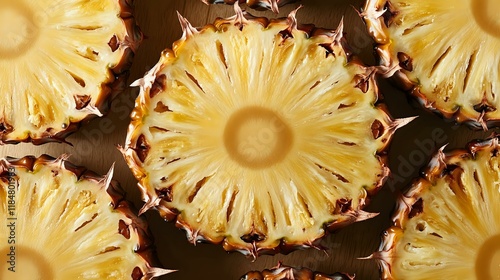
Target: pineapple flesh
[(446, 53), (258, 135), (60, 63), (65, 222), (282, 272), (447, 226), (255, 4)]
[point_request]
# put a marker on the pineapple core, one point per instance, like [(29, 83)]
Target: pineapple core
[(257, 137), (488, 259), (486, 15), (26, 264), (18, 29)]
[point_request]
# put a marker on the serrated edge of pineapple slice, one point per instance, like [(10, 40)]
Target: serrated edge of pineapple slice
[(120, 73), (145, 247), (375, 14), (404, 204), (283, 272), (272, 5), (136, 147)]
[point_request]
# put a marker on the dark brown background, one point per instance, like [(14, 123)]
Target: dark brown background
[(95, 147)]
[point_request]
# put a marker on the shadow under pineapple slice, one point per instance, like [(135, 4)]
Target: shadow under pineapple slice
[(65, 222), (259, 135), (282, 272), (61, 62), (447, 225), (445, 53), (255, 4)]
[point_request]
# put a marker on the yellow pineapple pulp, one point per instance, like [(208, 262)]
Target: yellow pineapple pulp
[(60, 64), (258, 134)]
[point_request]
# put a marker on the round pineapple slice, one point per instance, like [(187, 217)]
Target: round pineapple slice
[(255, 4), (282, 272), (65, 222), (60, 64), (447, 226), (445, 53), (258, 135)]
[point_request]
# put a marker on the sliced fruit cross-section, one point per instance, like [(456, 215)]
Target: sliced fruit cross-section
[(445, 52), (60, 63), (447, 226), (65, 222), (258, 135)]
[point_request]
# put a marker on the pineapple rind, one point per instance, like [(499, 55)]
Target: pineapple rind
[(454, 66), (255, 4), (72, 217), (38, 100), (460, 195), (283, 272), (164, 148)]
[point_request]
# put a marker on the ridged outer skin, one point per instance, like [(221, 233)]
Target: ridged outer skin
[(136, 229), (379, 16), (443, 166), (110, 89), (255, 4), (282, 272), (137, 146)]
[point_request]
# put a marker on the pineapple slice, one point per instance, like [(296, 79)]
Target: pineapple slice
[(258, 135), (65, 222), (60, 64), (447, 226), (445, 53), (282, 272), (255, 4)]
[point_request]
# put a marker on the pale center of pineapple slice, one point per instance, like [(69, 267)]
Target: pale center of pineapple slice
[(486, 15), (257, 137), (19, 28), (23, 263), (488, 259)]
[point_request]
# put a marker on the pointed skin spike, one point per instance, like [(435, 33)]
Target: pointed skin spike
[(292, 20), (363, 215), (157, 272), (187, 29), (108, 178), (399, 123), (274, 6), (339, 33), (239, 19)]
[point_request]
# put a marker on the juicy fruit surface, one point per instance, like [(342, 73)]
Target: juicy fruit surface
[(448, 50), (257, 139), (63, 226), (448, 225), (58, 63)]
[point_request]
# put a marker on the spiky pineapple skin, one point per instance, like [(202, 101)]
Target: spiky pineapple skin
[(137, 146), (380, 17), (255, 4), (137, 227), (110, 88), (445, 166)]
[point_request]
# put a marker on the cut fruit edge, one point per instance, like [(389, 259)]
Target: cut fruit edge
[(283, 272), (272, 5), (436, 169), (136, 147), (375, 14), (136, 229), (133, 37)]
